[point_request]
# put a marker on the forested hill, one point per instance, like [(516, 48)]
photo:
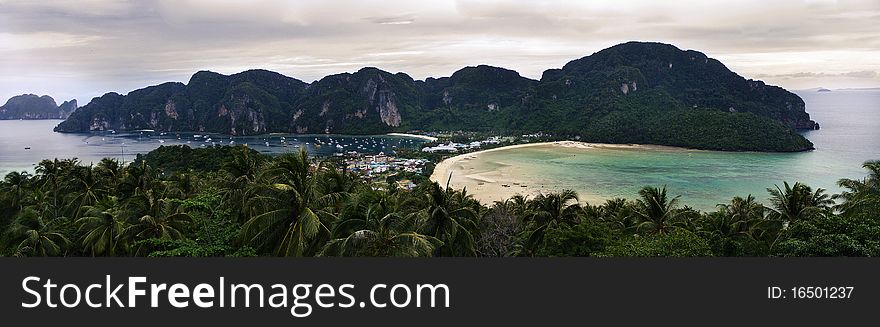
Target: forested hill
[(636, 92), (32, 106)]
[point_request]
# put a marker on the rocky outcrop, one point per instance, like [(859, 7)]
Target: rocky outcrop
[(31, 106), (388, 109), (171, 110), (66, 108)]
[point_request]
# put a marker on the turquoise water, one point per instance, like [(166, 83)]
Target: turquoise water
[(850, 135), (16, 135)]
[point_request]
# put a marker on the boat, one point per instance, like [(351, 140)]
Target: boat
[(267, 143), (339, 146), (27, 148)]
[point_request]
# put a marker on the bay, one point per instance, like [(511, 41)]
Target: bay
[(23, 143), (849, 136)]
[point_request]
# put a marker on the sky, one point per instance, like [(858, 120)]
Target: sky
[(84, 48)]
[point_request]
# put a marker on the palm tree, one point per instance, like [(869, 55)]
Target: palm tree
[(449, 216), (519, 203), (288, 211), (742, 214), (742, 221), (167, 223), (50, 174), (242, 172), (338, 180), (85, 189), (861, 196), (391, 235), (39, 233), (109, 170), (619, 214), (798, 201), (548, 210), (243, 167), (101, 227), (554, 207), (137, 178), (373, 227), (360, 208), (15, 185), (154, 218), (656, 211), (820, 199)]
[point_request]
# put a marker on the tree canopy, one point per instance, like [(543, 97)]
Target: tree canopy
[(237, 202)]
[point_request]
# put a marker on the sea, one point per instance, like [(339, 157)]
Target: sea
[(24, 143)]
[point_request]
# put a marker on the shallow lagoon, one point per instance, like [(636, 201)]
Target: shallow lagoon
[(850, 135)]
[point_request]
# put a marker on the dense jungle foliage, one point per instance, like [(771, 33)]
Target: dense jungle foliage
[(231, 201)]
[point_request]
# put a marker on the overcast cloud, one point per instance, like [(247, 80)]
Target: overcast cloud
[(84, 48)]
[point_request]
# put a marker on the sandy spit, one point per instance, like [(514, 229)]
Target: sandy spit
[(489, 186)]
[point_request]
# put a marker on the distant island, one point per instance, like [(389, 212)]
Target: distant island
[(823, 90), (636, 92), (32, 106)]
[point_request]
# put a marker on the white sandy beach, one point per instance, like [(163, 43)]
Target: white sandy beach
[(505, 181)]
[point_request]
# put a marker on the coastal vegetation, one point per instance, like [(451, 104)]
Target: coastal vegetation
[(636, 92), (232, 201)]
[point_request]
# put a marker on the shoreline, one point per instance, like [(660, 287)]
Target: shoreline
[(423, 137), (443, 166), (499, 184), (415, 136)]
